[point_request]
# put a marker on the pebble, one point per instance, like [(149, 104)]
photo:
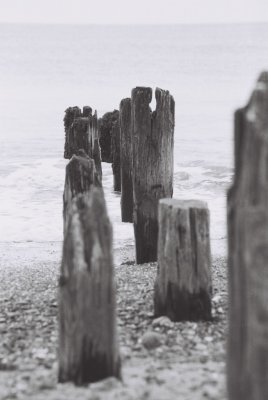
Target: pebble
[(151, 340)]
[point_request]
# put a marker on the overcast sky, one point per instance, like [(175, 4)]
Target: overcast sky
[(133, 11)]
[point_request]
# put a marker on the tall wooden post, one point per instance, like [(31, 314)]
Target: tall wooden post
[(247, 369), (183, 283), (88, 349), (106, 123), (126, 160), (153, 136), (95, 144), (115, 149)]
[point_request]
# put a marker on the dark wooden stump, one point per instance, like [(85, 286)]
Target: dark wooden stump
[(80, 175), (77, 137), (152, 165), (116, 165), (88, 349), (183, 284), (126, 160), (106, 123), (70, 114), (247, 369)]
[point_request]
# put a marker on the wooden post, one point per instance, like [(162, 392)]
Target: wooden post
[(183, 283), (115, 148), (80, 175), (152, 135), (70, 114), (77, 137), (87, 111), (126, 160), (247, 370), (95, 144), (106, 123), (88, 349)]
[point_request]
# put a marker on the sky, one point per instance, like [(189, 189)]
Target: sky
[(133, 11)]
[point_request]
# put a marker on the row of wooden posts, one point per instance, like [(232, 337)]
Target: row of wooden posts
[(139, 143)]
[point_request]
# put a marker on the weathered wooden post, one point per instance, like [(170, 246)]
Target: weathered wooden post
[(88, 349), (77, 137), (126, 160), (80, 175), (70, 114), (106, 123), (115, 149), (95, 145), (247, 370), (152, 149), (82, 133), (183, 283)]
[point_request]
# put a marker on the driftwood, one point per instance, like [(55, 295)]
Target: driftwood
[(88, 349), (183, 284), (248, 251), (126, 160), (106, 123), (152, 165), (115, 149)]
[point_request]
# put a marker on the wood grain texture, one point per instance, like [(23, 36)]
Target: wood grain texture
[(183, 283), (126, 160), (88, 349), (247, 370), (153, 142)]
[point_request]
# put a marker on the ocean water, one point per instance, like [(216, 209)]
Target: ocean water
[(210, 70)]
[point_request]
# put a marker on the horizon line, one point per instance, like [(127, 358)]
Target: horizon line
[(135, 23)]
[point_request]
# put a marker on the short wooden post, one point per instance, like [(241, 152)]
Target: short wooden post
[(70, 114), (87, 111), (126, 160), (88, 349), (80, 175), (77, 137), (115, 149), (152, 139), (106, 123), (183, 283), (247, 369)]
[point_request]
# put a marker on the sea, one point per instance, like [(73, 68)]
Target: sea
[(209, 69)]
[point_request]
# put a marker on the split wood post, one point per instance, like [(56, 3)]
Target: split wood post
[(183, 283), (126, 160), (152, 148), (115, 148), (70, 114), (106, 123), (80, 175), (88, 349), (247, 370)]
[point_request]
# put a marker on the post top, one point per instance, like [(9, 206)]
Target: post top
[(185, 204)]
